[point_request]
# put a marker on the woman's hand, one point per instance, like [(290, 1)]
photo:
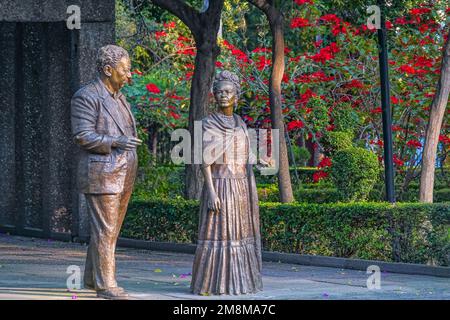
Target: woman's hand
[(267, 162), (213, 202)]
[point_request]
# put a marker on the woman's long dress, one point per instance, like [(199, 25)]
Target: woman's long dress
[(228, 255)]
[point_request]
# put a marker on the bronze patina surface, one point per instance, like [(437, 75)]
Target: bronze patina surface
[(228, 255), (104, 128)]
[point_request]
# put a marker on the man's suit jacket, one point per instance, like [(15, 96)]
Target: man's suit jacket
[(95, 121)]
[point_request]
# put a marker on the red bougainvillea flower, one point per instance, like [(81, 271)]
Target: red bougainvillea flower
[(396, 100), (335, 21), (304, 98), (317, 176), (175, 97), (326, 53), (174, 115), (355, 84), (187, 52), (376, 110), (184, 39), (261, 50), (317, 44), (170, 25), (444, 139), (426, 40), (219, 64), (300, 2), (396, 128), (338, 29), (401, 21), (299, 23), (239, 55), (160, 34), (398, 162), (414, 143), (318, 76), (262, 62), (326, 162), (423, 28), (331, 18), (247, 118), (407, 69), (295, 124), (153, 88), (189, 75), (419, 11), (422, 62)]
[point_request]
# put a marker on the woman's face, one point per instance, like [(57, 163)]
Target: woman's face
[(225, 94)]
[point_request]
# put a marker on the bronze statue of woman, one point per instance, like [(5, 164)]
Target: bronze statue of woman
[(228, 256)]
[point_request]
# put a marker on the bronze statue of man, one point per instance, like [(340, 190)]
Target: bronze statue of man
[(104, 128)]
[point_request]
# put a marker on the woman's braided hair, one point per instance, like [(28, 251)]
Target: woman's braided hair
[(228, 76)]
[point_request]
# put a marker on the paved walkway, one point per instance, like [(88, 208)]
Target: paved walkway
[(37, 269)]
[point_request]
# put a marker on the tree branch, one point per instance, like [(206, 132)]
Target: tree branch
[(188, 15), (214, 8), (261, 4)]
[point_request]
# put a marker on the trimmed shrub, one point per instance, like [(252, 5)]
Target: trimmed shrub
[(162, 220), (345, 118), (320, 193), (354, 172), (159, 182), (327, 193), (334, 141), (319, 117), (301, 155), (442, 195), (402, 232), (305, 174)]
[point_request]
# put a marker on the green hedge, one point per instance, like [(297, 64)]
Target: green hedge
[(162, 220), (326, 193), (305, 175), (380, 231)]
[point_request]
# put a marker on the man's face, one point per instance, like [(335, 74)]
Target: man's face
[(121, 74), (225, 94)]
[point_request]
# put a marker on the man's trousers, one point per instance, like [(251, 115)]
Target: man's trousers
[(106, 215)]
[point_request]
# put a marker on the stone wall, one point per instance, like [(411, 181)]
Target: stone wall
[(42, 64)]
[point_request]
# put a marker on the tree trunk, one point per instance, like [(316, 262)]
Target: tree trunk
[(284, 178), (204, 27), (207, 53), (154, 139), (276, 26), (437, 112)]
